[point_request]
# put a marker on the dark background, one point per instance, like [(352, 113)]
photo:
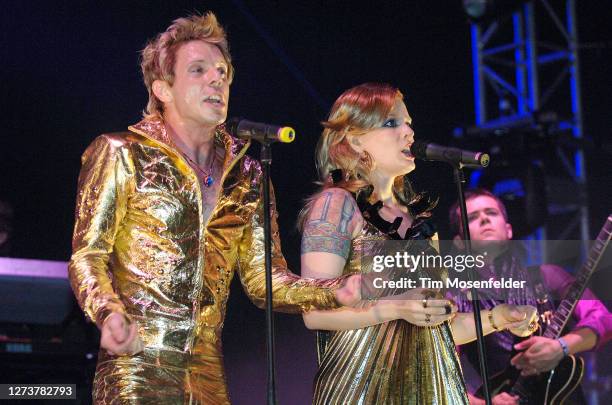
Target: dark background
[(70, 71)]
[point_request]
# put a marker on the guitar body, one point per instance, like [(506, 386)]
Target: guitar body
[(563, 380), (551, 388)]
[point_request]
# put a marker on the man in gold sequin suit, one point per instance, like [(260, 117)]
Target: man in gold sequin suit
[(165, 213)]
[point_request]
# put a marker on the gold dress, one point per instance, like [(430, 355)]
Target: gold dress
[(390, 363), (141, 248)]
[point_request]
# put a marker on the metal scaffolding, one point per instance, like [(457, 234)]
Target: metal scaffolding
[(516, 76), (520, 71)]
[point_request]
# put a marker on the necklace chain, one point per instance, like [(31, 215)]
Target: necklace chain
[(208, 176)]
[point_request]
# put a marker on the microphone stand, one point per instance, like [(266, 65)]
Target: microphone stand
[(266, 161), (484, 371)]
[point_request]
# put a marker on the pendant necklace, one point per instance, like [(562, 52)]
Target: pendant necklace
[(208, 176)]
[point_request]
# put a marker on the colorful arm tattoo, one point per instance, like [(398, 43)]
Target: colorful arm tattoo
[(330, 224)]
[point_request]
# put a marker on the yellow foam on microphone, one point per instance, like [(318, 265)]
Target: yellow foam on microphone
[(286, 134), (485, 159)]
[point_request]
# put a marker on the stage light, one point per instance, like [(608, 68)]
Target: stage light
[(479, 10), (475, 8)]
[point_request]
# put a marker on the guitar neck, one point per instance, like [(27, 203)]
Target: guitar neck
[(566, 307)]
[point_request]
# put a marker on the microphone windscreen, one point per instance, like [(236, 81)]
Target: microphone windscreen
[(419, 149), (286, 134), (232, 125)]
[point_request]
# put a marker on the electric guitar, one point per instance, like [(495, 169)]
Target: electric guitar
[(554, 386)]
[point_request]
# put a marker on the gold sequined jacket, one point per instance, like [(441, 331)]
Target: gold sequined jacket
[(141, 248)]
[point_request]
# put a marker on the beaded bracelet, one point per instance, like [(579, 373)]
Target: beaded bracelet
[(564, 346)]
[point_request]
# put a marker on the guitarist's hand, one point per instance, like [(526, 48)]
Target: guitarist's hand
[(500, 399), (505, 399), (540, 354)]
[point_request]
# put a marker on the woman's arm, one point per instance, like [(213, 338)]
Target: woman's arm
[(333, 221), (290, 292), (516, 318), (327, 265)]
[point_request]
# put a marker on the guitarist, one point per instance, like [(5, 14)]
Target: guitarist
[(488, 221)]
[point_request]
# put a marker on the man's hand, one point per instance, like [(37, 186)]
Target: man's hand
[(119, 337), (540, 354), (349, 294)]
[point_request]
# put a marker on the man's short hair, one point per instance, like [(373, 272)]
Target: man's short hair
[(453, 213), (159, 56)]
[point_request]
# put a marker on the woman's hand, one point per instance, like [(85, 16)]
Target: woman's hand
[(521, 320), (421, 307)]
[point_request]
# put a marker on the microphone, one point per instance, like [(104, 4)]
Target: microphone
[(454, 156), (265, 133)]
